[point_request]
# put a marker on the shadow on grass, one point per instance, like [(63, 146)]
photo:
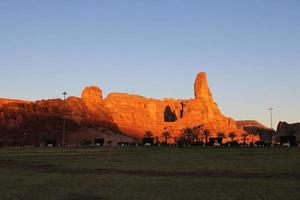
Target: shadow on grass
[(49, 168)]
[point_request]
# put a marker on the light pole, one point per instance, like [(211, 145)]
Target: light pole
[(64, 119), (271, 116)]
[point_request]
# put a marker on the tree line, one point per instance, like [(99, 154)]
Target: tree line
[(200, 135)]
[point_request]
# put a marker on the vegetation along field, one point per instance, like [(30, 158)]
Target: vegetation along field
[(150, 173)]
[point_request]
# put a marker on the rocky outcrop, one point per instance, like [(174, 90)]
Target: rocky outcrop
[(132, 115), (91, 96), (249, 123), (135, 114), (201, 89), (285, 129), (24, 122)]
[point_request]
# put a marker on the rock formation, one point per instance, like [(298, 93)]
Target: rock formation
[(91, 96), (135, 115), (285, 129), (248, 123), (23, 122), (119, 112), (201, 88)]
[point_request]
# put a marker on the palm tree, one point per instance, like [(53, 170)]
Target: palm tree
[(232, 135), (244, 135), (188, 134), (221, 135), (266, 134), (198, 132), (156, 140), (251, 130), (175, 139), (148, 134), (206, 134), (166, 135)]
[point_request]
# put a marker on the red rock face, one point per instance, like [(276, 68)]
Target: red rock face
[(91, 95), (201, 88), (23, 122), (246, 123), (131, 114), (135, 114)]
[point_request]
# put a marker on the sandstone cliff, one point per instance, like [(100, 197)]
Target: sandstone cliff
[(135, 114), (247, 123), (23, 122), (131, 115)]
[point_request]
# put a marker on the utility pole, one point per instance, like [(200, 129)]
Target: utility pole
[(64, 119), (271, 116)]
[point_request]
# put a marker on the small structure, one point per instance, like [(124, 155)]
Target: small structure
[(50, 143), (99, 142), (216, 141), (288, 139), (148, 141), (123, 144)]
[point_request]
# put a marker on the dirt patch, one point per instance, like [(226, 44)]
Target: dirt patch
[(49, 168)]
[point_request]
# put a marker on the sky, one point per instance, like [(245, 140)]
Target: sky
[(249, 49)]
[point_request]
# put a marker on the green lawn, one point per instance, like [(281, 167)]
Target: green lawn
[(150, 173)]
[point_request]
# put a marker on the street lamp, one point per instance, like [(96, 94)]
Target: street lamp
[(64, 119), (271, 116)]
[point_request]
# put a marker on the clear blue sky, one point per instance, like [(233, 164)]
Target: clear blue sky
[(250, 50)]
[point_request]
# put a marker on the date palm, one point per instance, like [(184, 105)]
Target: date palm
[(232, 135), (206, 134), (148, 134), (244, 136), (252, 131), (221, 135), (198, 133), (166, 135), (188, 134)]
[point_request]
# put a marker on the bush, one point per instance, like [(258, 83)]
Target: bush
[(198, 143), (232, 144), (183, 143), (260, 144)]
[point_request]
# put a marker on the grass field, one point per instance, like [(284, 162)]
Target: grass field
[(150, 173)]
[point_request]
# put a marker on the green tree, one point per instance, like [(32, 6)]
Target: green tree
[(187, 134), (244, 136), (148, 134), (198, 133), (252, 131), (221, 135), (157, 140), (232, 135), (166, 135), (206, 134), (266, 134)]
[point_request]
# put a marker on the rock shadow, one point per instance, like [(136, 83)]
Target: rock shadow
[(169, 115)]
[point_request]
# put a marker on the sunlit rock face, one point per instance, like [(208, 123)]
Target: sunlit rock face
[(133, 115), (201, 89), (249, 123), (91, 96)]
